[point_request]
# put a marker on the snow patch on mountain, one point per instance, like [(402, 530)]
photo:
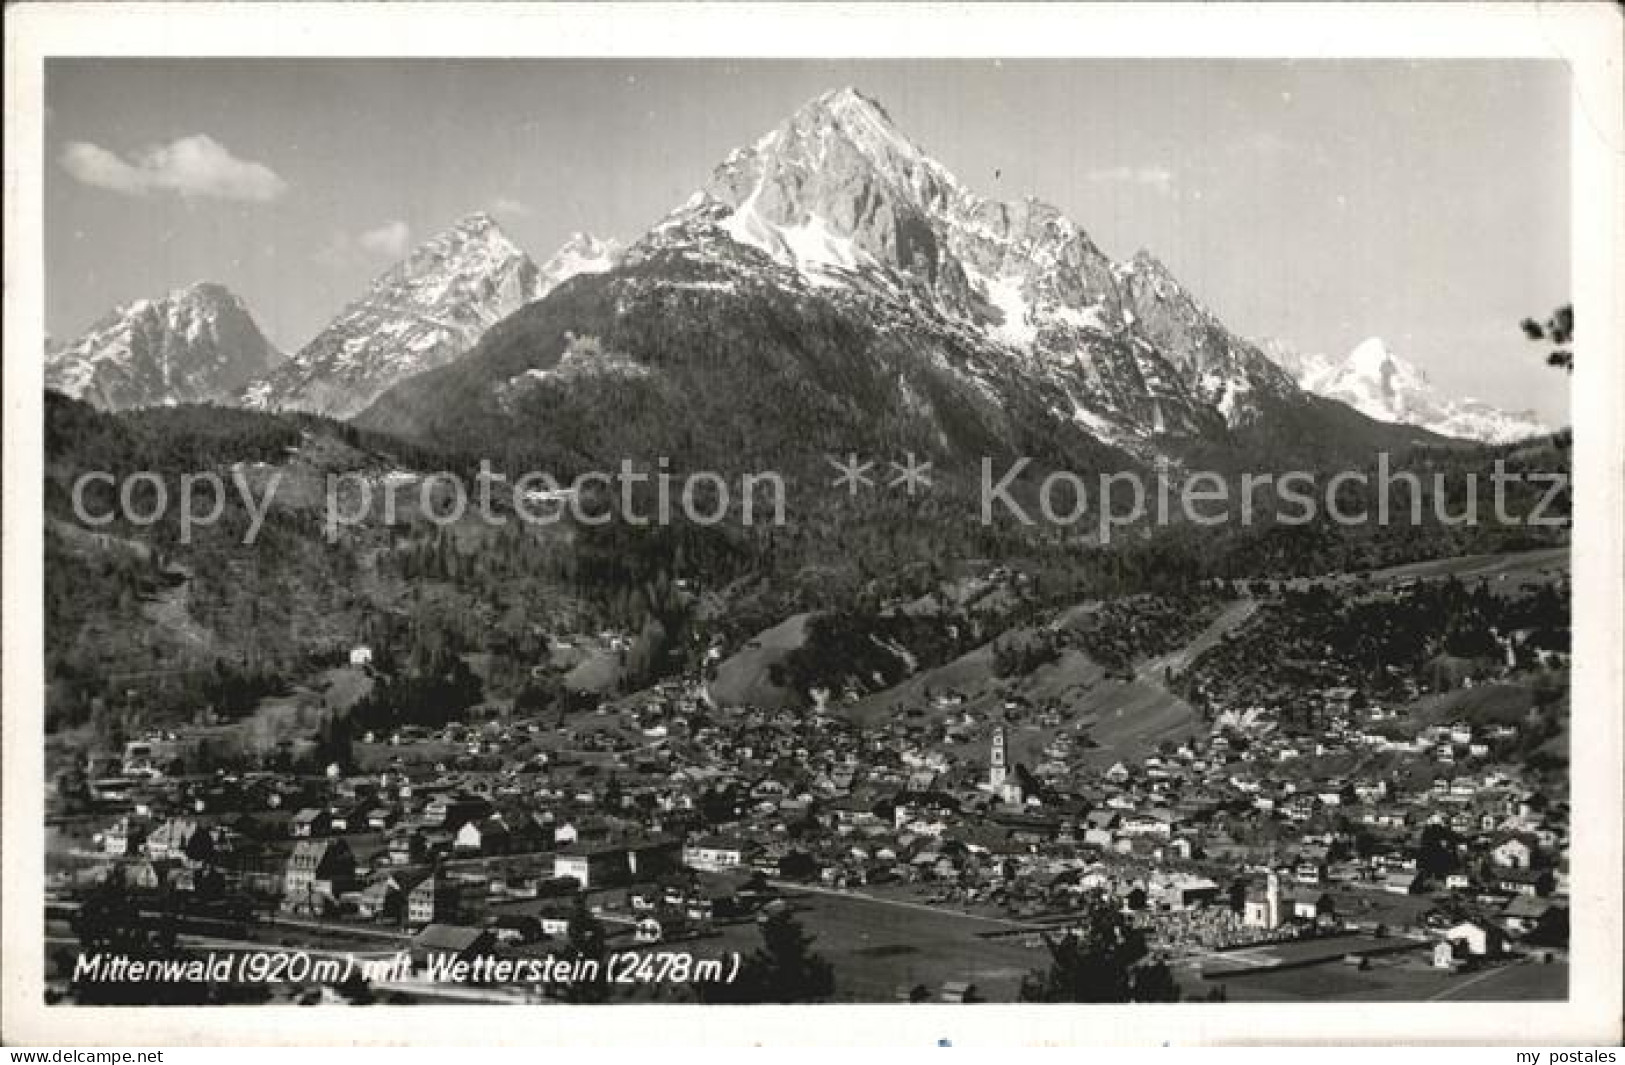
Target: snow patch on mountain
[(840, 198), (1309, 369), (422, 313), (1005, 294), (582, 253), (1379, 384), (196, 344)]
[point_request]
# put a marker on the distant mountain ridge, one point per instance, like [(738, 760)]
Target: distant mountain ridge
[(1378, 383), (200, 343), (195, 344)]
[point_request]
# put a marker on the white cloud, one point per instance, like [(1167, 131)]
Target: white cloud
[(1157, 178), (508, 206), (195, 166), (392, 239)]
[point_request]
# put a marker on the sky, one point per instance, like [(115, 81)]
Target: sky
[(1317, 202)]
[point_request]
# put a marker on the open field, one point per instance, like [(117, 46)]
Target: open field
[(1524, 982), (878, 946), (745, 677), (1125, 718), (1484, 704), (1129, 720), (1397, 978)]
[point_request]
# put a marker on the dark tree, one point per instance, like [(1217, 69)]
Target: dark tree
[(1559, 330), (798, 865), (1436, 852), (1101, 960), (110, 924), (586, 938)]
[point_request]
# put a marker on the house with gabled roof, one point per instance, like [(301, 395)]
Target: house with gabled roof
[(1478, 939), (1514, 852), (155, 874), (349, 817), (517, 928), (1524, 881), (1404, 882), (488, 835), (408, 846), (1526, 913), (125, 836), (384, 899), (310, 822), (170, 839), (1317, 906), (435, 897), (318, 871)]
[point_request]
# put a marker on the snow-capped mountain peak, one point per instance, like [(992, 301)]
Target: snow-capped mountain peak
[(1380, 384), (1373, 358), (838, 194), (421, 313), (198, 343), (467, 255), (582, 253), (829, 187), (866, 126)]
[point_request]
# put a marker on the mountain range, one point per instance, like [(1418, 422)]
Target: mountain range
[(424, 313), (832, 287), (829, 286)]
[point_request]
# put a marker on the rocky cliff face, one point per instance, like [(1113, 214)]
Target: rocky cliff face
[(196, 344), (423, 313), (839, 194)]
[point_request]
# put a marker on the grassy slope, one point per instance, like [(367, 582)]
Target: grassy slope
[(744, 676)]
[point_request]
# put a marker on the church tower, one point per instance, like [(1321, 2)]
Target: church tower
[(1272, 899), (997, 769)]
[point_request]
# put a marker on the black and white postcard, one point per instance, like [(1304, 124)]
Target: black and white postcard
[(583, 511)]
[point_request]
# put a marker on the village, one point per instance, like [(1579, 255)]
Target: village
[(1353, 847)]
